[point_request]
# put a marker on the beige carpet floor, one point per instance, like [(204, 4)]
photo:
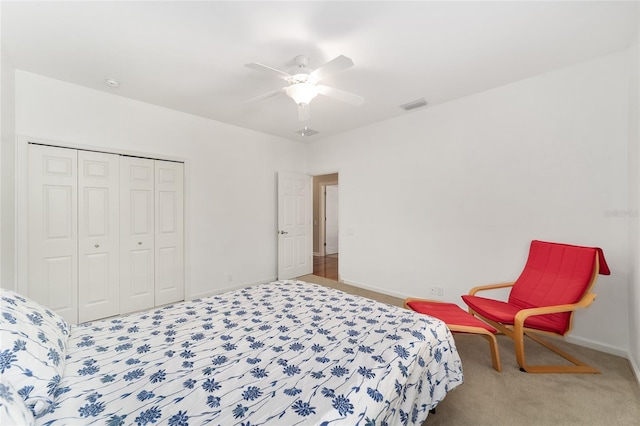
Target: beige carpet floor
[(515, 398)]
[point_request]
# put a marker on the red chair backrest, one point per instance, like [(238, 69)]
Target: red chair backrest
[(556, 274)]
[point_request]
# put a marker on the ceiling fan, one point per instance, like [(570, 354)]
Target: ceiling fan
[(303, 83)]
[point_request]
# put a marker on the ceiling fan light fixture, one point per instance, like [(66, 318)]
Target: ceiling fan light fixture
[(302, 78), (302, 93), (303, 84)]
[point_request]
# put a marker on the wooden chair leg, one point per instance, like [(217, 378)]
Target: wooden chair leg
[(490, 337), (578, 366), (517, 336), (518, 340), (493, 347)]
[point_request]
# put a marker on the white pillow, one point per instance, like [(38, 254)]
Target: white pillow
[(33, 343), (13, 411)]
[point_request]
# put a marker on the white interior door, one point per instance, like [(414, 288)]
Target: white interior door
[(137, 288), (294, 225), (52, 229), (331, 219), (169, 241), (98, 235)]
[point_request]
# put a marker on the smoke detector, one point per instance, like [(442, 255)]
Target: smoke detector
[(111, 82)]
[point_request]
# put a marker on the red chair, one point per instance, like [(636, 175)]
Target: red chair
[(556, 281)]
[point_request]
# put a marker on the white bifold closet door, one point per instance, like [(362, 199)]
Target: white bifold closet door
[(73, 232), (137, 234), (151, 233), (105, 232), (169, 254), (53, 226), (98, 236)]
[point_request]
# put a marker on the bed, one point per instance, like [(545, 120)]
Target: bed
[(283, 353)]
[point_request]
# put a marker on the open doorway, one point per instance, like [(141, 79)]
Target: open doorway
[(330, 220), (326, 226)]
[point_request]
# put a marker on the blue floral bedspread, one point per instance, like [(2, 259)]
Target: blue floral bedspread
[(284, 353)]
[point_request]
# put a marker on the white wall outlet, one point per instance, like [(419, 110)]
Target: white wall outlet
[(437, 291)]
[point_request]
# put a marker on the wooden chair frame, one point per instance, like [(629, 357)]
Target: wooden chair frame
[(517, 331)]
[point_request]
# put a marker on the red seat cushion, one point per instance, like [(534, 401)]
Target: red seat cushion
[(450, 313), (505, 313)]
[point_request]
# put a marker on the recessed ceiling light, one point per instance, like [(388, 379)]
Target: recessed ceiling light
[(111, 82), (306, 131), (419, 103)]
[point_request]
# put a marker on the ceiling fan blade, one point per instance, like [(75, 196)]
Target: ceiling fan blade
[(264, 68), (264, 96), (303, 112), (341, 95), (334, 66)]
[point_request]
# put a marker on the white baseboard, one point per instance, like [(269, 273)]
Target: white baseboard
[(316, 253), (376, 289), (597, 346), (635, 368)]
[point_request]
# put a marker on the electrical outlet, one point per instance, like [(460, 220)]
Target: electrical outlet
[(437, 291)]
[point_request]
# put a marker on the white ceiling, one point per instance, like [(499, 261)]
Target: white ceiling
[(190, 56)]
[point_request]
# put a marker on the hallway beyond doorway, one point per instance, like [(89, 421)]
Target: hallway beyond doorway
[(326, 266)]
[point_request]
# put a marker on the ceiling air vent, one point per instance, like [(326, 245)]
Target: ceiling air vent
[(306, 131), (414, 104)]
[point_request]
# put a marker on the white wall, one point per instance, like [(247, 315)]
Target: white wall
[(231, 172), (449, 195), (452, 195), (634, 206), (7, 168)]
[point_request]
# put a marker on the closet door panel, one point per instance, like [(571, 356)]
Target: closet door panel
[(137, 287), (169, 249), (98, 235), (52, 225)]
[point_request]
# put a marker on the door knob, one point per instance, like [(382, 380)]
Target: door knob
[(97, 245), (139, 243), (283, 232)]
